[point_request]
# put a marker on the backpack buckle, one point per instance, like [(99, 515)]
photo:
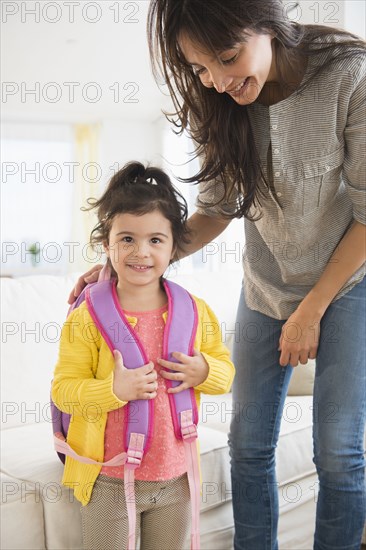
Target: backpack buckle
[(188, 428), (135, 450)]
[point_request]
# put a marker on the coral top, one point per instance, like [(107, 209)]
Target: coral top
[(165, 458)]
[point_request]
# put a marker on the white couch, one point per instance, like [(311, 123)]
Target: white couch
[(38, 513)]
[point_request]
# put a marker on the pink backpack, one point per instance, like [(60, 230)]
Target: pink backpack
[(179, 334)]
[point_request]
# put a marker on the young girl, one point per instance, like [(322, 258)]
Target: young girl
[(277, 110), (142, 225)]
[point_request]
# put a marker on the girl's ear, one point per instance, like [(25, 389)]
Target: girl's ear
[(106, 248), (174, 252)]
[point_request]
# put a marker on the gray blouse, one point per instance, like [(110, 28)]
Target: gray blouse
[(312, 149)]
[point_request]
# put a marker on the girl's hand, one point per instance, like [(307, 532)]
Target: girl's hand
[(300, 337), (132, 384), (191, 371), (90, 276)]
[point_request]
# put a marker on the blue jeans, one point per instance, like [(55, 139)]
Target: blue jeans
[(260, 386)]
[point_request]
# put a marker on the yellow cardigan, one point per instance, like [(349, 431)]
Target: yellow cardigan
[(83, 386)]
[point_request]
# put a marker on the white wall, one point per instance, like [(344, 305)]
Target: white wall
[(346, 14), (122, 141), (355, 17)]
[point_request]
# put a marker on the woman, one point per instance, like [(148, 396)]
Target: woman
[(277, 111)]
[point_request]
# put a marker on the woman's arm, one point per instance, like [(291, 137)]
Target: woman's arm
[(300, 334), (203, 230), (350, 253), (347, 258)]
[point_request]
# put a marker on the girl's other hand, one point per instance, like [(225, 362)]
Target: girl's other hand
[(90, 276), (132, 384), (190, 371)]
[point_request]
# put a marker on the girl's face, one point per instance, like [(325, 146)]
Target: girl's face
[(140, 248), (240, 72)]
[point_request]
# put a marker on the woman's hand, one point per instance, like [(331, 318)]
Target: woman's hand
[(191, 371), (90, 276), (300, 337), (132, 384)]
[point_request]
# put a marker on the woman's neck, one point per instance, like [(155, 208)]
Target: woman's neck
[(282, 88)]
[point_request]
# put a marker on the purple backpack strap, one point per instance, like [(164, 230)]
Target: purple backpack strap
[(105, 310), (179, 335)]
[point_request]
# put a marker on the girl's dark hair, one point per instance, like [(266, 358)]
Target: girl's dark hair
[(135, 189), (219, 126)]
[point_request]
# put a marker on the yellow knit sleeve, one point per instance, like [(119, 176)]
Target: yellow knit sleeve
[(83, 376), (209, 343)]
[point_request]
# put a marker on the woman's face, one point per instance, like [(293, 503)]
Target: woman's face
[(240, 72)]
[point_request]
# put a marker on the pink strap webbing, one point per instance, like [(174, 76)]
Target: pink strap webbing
[(134, 456), (62, 447), (189, 434)]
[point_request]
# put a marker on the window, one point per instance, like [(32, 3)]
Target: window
[(36, 199)]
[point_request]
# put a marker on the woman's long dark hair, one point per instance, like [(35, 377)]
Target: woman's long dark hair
[(219, 126)]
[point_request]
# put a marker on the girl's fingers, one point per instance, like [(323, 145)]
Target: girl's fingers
[(147, 395), (151, 377), (178, 389), (173, 375), (171, 365)]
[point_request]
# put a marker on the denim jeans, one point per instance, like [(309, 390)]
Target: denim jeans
[(259, 393)]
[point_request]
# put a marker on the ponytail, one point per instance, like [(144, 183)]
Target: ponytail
[(136, 189)]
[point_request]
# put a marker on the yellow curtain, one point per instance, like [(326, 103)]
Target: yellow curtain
[(88, 175)]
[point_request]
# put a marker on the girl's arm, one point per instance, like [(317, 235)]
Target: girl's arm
[(300, 334)]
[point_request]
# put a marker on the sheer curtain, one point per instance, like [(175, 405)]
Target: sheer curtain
[(88, 174)]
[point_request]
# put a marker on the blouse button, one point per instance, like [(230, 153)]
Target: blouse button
[(276, 151), (327, 167), (277, 174), (279, 194), (274, 126)]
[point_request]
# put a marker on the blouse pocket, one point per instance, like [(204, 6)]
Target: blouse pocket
[(311, 183), (322, 178)]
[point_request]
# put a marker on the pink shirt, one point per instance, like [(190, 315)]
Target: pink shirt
[(165, 458)]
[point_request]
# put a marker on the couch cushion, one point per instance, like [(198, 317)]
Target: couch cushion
[(295, 439), (38, 465), (302, 379), (21, 515), (42, 464), (31, 326)]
